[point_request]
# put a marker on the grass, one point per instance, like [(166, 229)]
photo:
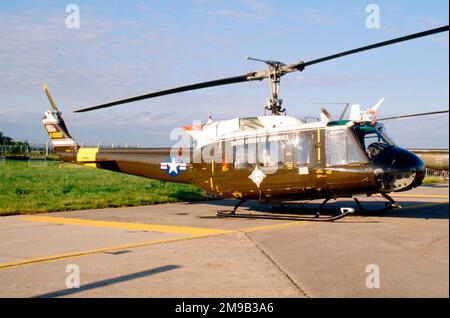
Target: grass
[(433, 180), (27, 190)]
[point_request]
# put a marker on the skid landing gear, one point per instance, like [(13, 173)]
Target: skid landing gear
[(294, 216), (317, 218), (391, 205)]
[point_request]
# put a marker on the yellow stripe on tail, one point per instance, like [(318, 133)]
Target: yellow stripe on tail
[(87, 157)]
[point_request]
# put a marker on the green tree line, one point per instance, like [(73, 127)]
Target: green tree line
[(5, 140), (11, 147)]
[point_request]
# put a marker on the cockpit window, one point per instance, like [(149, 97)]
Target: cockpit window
[(373, 140)]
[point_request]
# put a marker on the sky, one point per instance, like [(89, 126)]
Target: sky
[(126, 48)]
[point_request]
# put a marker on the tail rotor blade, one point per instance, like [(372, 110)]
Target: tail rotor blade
[(50, 98)]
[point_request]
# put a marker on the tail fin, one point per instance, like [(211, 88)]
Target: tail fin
[(62, 141)]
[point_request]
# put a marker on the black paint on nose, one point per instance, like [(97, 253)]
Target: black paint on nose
[(403, 170)]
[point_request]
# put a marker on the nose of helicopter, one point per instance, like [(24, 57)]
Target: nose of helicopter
[(402, 169)]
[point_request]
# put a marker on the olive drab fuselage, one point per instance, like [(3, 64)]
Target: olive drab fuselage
[(315, 163)]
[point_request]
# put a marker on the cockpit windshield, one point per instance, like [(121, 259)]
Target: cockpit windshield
[(373, 139)]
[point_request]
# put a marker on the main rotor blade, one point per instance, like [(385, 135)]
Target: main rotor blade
[(374, 46), (223, 81), (251, 76), (414, 115)]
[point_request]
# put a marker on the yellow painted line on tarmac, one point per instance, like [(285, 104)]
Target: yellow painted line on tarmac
[(57, 257), (126, 225), (271, 227)]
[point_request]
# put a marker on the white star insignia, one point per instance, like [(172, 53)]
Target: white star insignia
[(173, 166)]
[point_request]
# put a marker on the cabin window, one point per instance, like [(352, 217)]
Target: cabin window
[(302, 144), (227, 152), (281, 146), (251, 151), (278, 149), (355, 153), (264, 158), (239, 154), (342, 148), (268, 155), (336, 147)]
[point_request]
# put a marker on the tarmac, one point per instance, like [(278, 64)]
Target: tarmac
[(185, 250)]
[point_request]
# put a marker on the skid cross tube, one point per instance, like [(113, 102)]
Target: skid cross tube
[(316, 218), (391, 205)]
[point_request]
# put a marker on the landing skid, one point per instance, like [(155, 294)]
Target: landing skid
[(391, 205), (316, 218)]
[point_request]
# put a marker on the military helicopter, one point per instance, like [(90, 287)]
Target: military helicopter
[(273, 158)]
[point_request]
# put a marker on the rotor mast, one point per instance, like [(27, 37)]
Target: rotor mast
[(274, 103), (275, 70)]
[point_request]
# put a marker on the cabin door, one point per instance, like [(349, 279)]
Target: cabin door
[(346, 165)]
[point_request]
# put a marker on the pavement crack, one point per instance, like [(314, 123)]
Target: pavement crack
[(437, 240), (297, 286)]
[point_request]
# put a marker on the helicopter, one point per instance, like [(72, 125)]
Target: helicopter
[(274, 158)]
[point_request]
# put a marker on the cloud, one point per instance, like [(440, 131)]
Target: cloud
[(241, 11), (311, 80), (316, 18), (431, 22)]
